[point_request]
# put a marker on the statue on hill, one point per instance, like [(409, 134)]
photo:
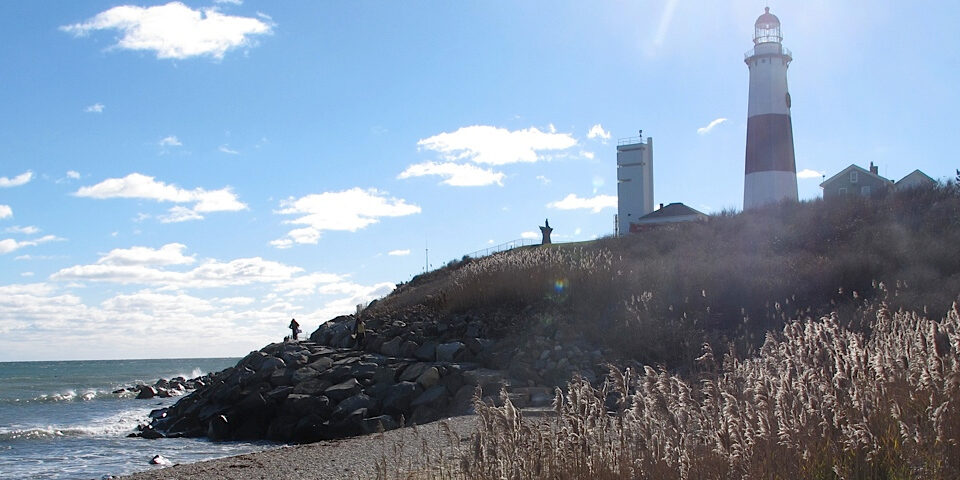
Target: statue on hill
[(545, 230)]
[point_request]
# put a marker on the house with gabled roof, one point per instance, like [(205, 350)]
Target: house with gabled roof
[(855, 180), (673, 213), (915, 179)]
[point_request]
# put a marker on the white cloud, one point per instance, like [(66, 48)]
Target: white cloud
[(170, 141), (5, 211), (73, 174), (27, 274), (231, 2), (596, 203), (95, 108), (141, 186), (176, 214), (597, 131), (169, 254), (588, 155), (236, 301), (530, 235), (496, 146), (28, 230), (543, 179), (21, 179), (808, 173), (709, 127), (347, 210), (305, 285), (399, 253), (9, 245), (226, 149), (174, 30), (457, 175), (209, 274)]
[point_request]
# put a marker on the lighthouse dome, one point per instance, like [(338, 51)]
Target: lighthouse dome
[(767, 28), (767, 20)]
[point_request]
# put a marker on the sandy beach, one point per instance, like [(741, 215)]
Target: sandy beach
[(355, 457)]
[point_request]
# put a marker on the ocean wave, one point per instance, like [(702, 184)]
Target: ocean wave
[(112, 426), (73, 396)]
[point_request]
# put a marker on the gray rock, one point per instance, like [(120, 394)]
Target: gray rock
[(381, 423), (303, 405), (473, 329), (147, 392), (343, 390), (218, 429), (408, 348), (436, 397), (446, 352), (427, 352), (269, 364), (321, 364), (398, 397), (385, 374), (413, 371), (314, 386), (391, 348), (352, 404), (429, 377), (304, 373), (296, 358)]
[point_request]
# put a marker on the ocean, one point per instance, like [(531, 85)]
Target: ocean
[(59, 420)]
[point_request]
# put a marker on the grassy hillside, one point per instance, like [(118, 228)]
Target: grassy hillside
[(657, 296), (842, 321)]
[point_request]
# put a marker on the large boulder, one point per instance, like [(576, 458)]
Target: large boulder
[(391, 348), (302, 405), (343, 390), (314, 386), (398, 398), (146, 392), (219, 428), (429, 377), (427, 352), (352, 404), (413, 371), (304, 373), (447, 352)]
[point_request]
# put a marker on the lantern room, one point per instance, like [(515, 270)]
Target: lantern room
[(767, 28)]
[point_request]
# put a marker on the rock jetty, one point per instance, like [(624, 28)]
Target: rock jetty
[(412, 369)]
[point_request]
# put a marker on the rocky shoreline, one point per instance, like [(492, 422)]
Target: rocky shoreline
[(412, 369)]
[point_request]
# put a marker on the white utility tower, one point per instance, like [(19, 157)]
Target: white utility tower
[(634, 181), (771, 170)]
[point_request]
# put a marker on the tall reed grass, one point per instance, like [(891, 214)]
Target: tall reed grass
[(818, 401)]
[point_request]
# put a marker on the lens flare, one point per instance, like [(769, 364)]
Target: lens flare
[(560, 285)]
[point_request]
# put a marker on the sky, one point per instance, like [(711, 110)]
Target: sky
[(180, 179)]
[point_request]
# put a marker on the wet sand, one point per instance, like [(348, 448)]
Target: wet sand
[(348, 458)]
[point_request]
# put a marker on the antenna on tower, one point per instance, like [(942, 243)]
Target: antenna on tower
[(426, 259)]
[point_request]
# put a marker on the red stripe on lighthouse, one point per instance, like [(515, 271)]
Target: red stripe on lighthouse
[(770, 144)]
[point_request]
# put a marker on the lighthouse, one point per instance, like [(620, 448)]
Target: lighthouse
[(771, 170)]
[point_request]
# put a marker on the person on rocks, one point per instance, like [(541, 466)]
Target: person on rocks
[(360, 331), (294, 327)]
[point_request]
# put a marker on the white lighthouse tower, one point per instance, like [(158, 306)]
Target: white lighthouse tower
[(771, 170), (634, 181)]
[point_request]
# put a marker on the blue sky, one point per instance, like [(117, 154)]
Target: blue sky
[(180, 179)]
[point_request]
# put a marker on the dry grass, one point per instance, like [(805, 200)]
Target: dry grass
[(658, 295), (818, 402)]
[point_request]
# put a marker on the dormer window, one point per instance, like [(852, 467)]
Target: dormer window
[(853, 176)]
